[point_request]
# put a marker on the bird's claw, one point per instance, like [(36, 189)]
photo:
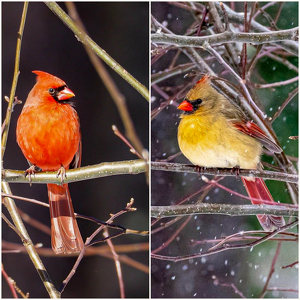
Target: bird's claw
[(62, 173), (30, 171), (199, 169), (236, 170)]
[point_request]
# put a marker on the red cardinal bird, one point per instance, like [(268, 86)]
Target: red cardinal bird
[(213, 132), (48, 133)]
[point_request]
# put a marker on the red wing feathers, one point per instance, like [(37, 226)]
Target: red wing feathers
[(253, 130)]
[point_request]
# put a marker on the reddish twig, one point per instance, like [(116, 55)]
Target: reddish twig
[(226, 247), (117, 263), (272, 270), (10, 283)]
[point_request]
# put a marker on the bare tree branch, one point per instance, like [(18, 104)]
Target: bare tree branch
[(85, 39), (225, 247), (175, 167), (80, 174), (223, 209), (225, 37)]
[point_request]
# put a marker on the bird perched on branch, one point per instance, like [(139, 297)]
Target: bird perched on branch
[(213, 132), (48, 133)]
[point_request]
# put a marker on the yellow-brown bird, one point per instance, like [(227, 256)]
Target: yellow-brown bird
[(213, 132)]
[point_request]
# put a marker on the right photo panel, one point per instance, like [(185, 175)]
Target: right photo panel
[(224, 150)]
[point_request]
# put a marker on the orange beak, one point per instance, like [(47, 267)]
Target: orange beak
[(65, 94), (186, 106)]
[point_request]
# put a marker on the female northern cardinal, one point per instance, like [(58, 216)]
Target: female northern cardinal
[(48, 133), (213, 132)]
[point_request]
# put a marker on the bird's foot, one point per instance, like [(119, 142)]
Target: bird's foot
[(236, 170), (62, 173), (199, 170), (31, 171)]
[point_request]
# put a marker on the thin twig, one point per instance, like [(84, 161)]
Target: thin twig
[(272, 270), (231, 285), (26, 199), (168, 73), (244, 235), (9, 281), (266, 15), (15, 81), (275, 84), (284, 104), (14, 228), (112, 88), (91, 251), (89, 243), (117, 263), (30, 248), (46, 229), (16, 101), (83, 38), (173, 236), (9, 202), (121, 136), (236, 17), (225, 247)]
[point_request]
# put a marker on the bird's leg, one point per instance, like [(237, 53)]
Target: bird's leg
[(236, 170), (62, 173), (31, 171), (199, 170)]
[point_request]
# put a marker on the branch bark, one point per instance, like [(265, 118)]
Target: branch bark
[(175, 167), (225, 37), (222, 209), (80, 174)]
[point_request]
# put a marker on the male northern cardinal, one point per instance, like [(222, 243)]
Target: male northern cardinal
[(213, 132), (48, 133)]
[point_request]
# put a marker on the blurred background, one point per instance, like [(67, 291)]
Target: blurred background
[(122, 30), (235, 273)]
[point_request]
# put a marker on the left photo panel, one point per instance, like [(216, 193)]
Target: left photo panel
[(75, 141)]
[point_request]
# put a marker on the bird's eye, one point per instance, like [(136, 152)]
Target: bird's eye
[(196, 104), (51, 91), (198, 101)]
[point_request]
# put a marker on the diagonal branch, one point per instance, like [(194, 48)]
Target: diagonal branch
[(13, 211), (86, 40), (112, 88)]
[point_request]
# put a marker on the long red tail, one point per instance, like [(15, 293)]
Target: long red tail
[(65, 234), (256, 188)]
